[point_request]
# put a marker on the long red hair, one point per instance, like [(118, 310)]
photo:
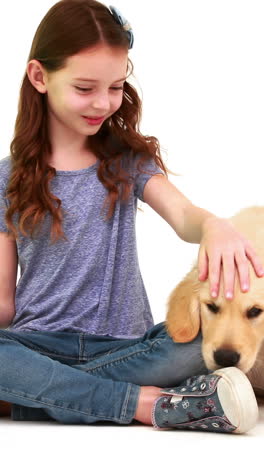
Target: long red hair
[(69, 27)]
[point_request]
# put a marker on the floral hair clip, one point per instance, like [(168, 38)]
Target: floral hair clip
[(120, 19)]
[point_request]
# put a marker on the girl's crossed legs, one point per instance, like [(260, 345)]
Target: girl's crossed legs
[(82, 378)]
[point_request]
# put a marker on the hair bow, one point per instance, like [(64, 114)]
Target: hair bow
[(120, 19)]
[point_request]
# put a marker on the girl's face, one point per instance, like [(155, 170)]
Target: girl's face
[(90, 85)]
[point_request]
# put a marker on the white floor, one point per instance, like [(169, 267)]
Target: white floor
[(50, 444)]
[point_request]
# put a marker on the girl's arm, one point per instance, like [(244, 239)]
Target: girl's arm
[(7, 314), (8, 278)]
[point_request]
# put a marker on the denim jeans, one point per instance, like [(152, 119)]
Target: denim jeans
[(78, 378)]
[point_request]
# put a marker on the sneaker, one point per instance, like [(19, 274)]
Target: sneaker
[(223, 401)]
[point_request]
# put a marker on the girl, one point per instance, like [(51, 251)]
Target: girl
[(78, 343)]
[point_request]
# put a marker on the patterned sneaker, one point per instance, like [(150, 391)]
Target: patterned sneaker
[(223, 401)]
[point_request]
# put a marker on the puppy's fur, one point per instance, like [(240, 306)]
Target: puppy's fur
[(232, 330)]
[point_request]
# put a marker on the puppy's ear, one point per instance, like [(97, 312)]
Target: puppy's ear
[(183, 313)]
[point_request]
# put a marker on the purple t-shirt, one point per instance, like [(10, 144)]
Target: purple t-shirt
[(92, 283)]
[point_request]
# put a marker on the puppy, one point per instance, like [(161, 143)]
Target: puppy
[(232, 330)]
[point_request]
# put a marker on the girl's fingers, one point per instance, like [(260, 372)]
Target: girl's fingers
[(214, 275), (228, 274), (211, 268), (255, 260), (243, 270), (202, 264)]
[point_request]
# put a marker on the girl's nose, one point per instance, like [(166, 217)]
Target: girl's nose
[(102, 102)]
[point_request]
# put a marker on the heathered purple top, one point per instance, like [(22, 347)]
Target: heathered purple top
[(92, 283)]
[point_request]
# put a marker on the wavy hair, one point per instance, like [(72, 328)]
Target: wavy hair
[(69, 27)]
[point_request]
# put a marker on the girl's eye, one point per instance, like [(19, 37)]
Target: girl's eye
[(89, 89), (82, 89)]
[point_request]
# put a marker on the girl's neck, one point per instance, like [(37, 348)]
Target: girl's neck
[(63, 162)]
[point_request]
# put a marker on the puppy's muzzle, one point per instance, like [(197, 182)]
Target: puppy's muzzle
[(226, 357)]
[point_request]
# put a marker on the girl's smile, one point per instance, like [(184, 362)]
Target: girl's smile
[(94, 121)]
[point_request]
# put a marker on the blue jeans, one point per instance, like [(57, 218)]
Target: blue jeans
[(78, 378)]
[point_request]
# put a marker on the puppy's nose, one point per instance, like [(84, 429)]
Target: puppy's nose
[(226, 357)]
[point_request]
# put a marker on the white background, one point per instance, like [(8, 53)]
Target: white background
[(199, 67)]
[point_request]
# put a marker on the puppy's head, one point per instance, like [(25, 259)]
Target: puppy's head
[(232, 330)]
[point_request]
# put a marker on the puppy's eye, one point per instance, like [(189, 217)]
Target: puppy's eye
[(213, 308), (254, 312)]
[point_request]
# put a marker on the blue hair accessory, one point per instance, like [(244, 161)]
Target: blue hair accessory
[(120, 19)]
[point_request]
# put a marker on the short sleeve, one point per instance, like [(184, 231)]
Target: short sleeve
[(3, 207), (150, 168), (5, 164)]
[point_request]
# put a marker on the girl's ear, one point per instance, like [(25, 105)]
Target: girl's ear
[(183, 315)]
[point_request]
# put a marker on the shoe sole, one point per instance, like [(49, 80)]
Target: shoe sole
[(237, 399)]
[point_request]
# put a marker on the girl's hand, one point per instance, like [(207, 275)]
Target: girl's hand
[(222, 245)]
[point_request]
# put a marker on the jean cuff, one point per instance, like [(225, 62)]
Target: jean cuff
[(130, 404)]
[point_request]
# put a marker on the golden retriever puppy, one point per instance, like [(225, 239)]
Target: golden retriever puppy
[(232, 330)]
